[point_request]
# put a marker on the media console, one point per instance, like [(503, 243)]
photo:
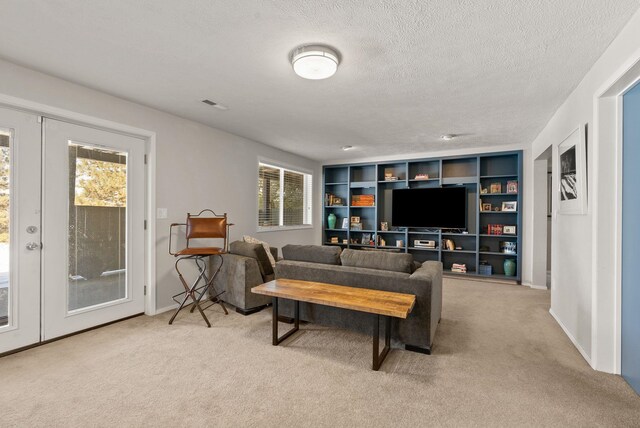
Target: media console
[(493, 183)]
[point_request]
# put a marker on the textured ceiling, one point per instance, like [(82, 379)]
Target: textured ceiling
[(494, 71)]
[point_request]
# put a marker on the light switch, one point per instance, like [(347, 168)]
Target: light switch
[(161, 213)]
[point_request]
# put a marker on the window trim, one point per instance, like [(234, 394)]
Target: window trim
[(291, 168)]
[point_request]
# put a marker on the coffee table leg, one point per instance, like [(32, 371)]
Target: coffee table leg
[(275, 339), (378, 358)]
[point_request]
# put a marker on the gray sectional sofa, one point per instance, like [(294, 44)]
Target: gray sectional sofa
[(374, 270)]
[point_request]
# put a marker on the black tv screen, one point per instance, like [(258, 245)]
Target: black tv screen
[(438, 207)]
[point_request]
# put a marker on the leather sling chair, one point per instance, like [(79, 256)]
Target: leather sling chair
[(199, 226)]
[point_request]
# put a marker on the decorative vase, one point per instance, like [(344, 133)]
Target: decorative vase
[(331, 221), (509, 267)]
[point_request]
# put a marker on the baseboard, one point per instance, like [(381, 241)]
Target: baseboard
[(534, 286), (167, 308), (571, 338)]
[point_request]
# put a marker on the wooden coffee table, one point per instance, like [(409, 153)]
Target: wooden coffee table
[(385, 304)]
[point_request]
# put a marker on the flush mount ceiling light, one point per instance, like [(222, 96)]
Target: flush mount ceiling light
[(314, 62)]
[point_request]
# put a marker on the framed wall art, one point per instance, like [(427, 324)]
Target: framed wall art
[(572, 162)]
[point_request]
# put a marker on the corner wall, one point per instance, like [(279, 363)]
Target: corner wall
[(196, 166), (576, 240)]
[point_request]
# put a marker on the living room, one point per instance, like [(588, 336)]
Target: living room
[(489, 78)]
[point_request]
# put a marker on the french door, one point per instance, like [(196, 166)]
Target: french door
[(71, 228), (20, 179), (93, 227)]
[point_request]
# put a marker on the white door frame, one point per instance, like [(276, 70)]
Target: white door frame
[(606, 323), (150, 189)]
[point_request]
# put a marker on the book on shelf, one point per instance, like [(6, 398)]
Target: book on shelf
[(363, 200), (459, 268)]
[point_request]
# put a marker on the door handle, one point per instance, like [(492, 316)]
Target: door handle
[(33, 246)]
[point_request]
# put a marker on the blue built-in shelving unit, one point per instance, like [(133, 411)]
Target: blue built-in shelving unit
[(475, 172)]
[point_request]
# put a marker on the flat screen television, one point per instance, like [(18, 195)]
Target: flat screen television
[(438, 207)]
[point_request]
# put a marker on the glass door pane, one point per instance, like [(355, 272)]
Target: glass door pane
[(5, 193), (97, 226)]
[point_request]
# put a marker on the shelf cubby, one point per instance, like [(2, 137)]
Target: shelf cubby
[(396, 169)]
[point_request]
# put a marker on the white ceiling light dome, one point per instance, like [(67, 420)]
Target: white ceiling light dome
[(314, 62)]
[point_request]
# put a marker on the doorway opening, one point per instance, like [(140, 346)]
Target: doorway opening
[(542, 219)]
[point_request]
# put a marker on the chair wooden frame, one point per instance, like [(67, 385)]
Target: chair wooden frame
[(200, 227)]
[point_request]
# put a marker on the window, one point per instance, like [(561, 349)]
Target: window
[(284, 197)]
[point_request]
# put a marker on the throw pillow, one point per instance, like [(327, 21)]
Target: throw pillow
[(254, 251), (325, 254), (396, 262), (252, 240)]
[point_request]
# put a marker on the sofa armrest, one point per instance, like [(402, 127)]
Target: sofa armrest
[(274, 252), (431, 272), (237, 276)]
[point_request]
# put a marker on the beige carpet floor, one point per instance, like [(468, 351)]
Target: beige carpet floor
[(499, 360)]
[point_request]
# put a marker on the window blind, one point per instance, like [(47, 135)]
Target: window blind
[(284, 197)]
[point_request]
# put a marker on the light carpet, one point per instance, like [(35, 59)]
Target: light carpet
[(499, 360)]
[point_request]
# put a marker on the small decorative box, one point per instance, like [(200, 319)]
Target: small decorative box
[(485, 269)]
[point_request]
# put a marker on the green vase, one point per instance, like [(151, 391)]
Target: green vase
[(509, 267), (331, 221)]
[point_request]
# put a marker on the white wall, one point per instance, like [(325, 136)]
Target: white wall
[(578, 240), (197, 166)]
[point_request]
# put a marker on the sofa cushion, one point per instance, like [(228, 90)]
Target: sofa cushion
[(252, 240), (395, 262), (255, 251), (325, 254)]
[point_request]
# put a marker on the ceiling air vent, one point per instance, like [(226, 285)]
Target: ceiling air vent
[(215, 105)]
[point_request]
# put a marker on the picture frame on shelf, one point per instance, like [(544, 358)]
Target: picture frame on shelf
[(496, 187), (337, 201), (509, 229), (485, 207), (366, 239), (573, 173), (345, 223), (512, 186), (355, 219), (494, 229), (384, 226), (510, 206)]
